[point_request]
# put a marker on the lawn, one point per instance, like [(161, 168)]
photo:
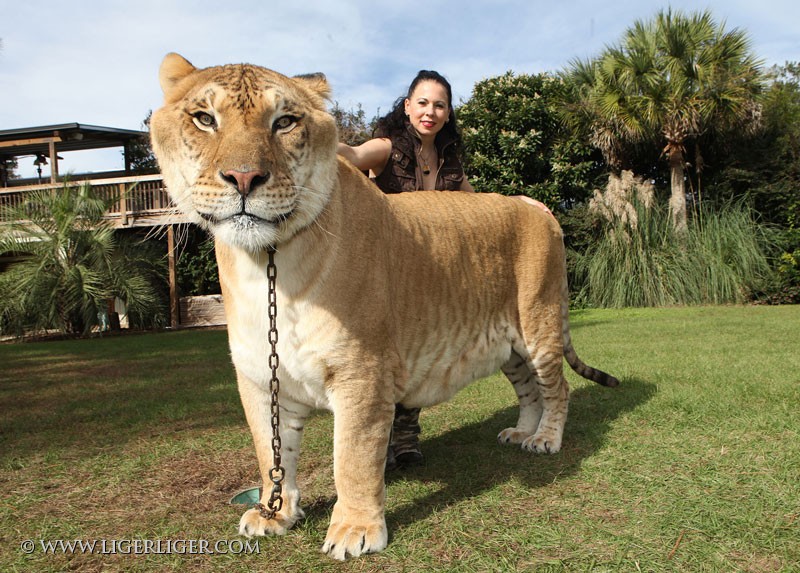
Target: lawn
[(692, 464)]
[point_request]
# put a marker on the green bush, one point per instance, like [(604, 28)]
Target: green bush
[(197, 263), (515, 143), (787, 287)]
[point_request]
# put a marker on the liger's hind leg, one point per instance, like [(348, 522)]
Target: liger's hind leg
[(543, 395), (554, 391), (526, 385)]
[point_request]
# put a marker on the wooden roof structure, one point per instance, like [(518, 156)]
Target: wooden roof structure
[(45, 142)]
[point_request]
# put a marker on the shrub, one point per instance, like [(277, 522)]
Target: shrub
[(639, 260), (515, 143), (71, 264)]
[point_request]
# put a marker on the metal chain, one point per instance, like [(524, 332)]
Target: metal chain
[(276, 473)]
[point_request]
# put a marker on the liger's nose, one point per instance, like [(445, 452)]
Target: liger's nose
[(245, 181)]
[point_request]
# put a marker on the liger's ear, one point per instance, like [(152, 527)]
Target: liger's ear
[(317, 83), (173, 69)]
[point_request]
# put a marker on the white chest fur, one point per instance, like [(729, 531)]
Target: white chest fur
[(306, 335)]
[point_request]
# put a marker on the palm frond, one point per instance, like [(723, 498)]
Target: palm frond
[(71, 266)]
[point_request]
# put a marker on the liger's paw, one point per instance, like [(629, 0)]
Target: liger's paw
[(352, 539), (542, 443), (253, 524), (512, 436)]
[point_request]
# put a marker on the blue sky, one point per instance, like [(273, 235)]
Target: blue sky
[(96, 62)]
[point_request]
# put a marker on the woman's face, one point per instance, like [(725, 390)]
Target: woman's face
[(428, 107)]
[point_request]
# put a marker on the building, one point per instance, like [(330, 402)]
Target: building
[(139, 200)]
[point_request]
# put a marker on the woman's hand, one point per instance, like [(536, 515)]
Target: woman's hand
[(534, 202), (371, 155)]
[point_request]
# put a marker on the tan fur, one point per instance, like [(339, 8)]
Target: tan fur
[(381, 299)]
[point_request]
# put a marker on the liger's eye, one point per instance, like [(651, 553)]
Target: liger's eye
[(284, 122), (205, 120)]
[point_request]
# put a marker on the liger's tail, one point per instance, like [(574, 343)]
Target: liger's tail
[(571, 356)]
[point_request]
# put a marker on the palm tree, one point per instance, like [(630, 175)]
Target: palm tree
[(71, 263), (672, 81)]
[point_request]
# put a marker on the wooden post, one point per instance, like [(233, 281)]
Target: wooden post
[(174, 303), (123, 205), (126, 151), (53, 162)]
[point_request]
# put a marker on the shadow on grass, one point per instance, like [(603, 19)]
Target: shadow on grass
[(468, 461), (80, 399), (82, 396)]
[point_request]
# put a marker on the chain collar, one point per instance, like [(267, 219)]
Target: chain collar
[(277, 472)]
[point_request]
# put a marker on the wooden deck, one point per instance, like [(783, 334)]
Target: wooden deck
[(140, 201)]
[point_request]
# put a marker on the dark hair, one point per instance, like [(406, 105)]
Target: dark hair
[(395, 123)]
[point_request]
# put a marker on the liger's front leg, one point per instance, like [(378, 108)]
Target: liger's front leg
[(362, 424), (256, 402)]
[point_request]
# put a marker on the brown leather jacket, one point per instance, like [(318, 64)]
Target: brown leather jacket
[(402, 172)]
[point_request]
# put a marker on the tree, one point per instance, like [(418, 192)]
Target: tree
[(196, 265), (673, 82), (766, 168), (140, 152), (353, 126), (515, 145), (71, 264)]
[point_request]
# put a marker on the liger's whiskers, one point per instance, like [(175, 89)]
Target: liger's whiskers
[(320, 194)]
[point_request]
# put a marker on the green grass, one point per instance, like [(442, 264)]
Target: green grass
[(692, 464)]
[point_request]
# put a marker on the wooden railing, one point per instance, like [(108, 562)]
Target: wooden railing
[(140, 201)]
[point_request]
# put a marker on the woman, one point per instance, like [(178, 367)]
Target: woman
[(417, 146)]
